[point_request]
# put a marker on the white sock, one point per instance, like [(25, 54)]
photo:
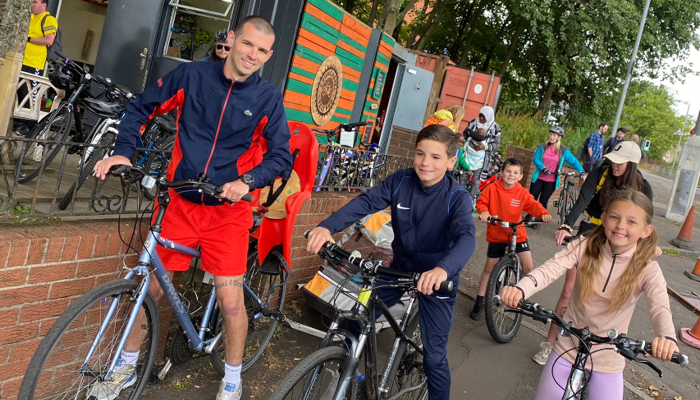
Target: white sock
[(232, 375), (130, 357)]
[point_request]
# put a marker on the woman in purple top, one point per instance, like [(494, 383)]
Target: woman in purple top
[(550, 156)]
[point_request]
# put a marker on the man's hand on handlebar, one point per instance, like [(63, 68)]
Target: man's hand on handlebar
[(662, 348), (235, 190), (430, 281), (511, 296), (103, 166), (560, 235), (484, 216), (547, 218), (317, 237)]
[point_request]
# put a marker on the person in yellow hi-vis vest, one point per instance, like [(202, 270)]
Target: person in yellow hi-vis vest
[(42, 33), (450, 117)]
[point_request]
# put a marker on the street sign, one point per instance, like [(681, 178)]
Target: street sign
[(646, 144)]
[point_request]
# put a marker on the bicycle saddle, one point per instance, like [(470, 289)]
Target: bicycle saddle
[(101, 108), (167, 123)]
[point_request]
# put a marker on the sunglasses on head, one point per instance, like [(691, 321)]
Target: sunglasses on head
[(223, 46)]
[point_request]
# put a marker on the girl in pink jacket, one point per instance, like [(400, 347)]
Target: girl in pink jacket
[(614, 267)]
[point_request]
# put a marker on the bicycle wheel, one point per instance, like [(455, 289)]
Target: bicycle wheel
[(502, 326), (54, 126), (406, 373), (562, 207), (156, 163), (271, 290), (316, 377), (96, 153), (57, 369)]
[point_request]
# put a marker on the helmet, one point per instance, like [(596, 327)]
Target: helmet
[(61, 77), (221, 36), (555, 129), (203, 36)]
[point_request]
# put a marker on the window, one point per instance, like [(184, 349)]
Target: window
[(193, 24)]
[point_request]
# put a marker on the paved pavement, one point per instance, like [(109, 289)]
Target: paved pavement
[(480, 367)]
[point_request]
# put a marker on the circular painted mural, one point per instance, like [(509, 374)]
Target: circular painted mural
[(325, 92)]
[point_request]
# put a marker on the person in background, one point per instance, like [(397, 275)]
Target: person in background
[(549, 158), (450, 117), (635, 139), (483, 136), (594, 148), (42, 33), (222, 46), (610, 145)]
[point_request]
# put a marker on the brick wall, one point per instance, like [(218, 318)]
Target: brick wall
[(45, 268), (403, 142)]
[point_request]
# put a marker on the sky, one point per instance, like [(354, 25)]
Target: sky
[(688, 91)]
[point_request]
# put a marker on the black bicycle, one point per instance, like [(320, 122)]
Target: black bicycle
[(329, 373), (507, 272), (568, 194), (579, 378)]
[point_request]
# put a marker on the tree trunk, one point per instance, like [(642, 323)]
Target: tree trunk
[(14, 25), (544, 103), (401, 17), (419, 27), (472, 30), (388, 20), (428, 29), (373, 13), (349, 6), (462, 27), (513, 44), (492, 48)]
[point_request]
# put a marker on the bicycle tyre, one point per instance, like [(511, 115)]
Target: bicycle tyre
[(157, 162), (67, 331), (261, 328), (407, 369), (97, 153), (504, 274), (562, 207), (309, 366), (64, 116)]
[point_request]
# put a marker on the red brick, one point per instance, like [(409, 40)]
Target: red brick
[(54, 249), (23, 350), (102, 279), (14, 277), (98, 267), (71, 288), (23, 295), (45, 325), (12, 370), (10, 389), (52, 273), (87, 244), (101, 244), (8, 317), (70, 248), (4, 253), (115, 245), (46, 309), (18, 253), (4, 353), (18, 333), (37, 249)]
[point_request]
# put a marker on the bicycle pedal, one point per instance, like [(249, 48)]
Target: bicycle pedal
[(164, 371), (555, 203)]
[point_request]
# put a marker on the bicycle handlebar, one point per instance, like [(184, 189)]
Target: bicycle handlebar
[(334, 253), (133, 174), (333, 132), (494, 220), (625, 346), (561, 172)]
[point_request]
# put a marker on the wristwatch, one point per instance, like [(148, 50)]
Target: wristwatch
[(248, 180)]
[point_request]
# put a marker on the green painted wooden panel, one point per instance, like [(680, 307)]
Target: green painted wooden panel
[(353, 43), (342, 120), (302, 72), (350, 85), (299, 87), (294, 115), (383, 59), (350, 59), (388, 40), (328, 8), (320, 28), (342, 111), (309, 54)]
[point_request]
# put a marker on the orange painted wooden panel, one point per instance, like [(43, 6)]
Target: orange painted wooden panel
[(297, 98), (346, 104), (350, 49), (305, 64), (313, 10), (358, 27), (349, 32), (315, 47), (303, 33), (385, 51), (301, 78), (350, 74), (298, 107), (347, 94)]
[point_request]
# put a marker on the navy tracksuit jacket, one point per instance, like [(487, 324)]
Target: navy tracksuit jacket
[(432, 226), (224, 128)]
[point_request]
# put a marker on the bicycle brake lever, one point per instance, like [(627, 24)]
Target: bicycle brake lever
[(630, 356)]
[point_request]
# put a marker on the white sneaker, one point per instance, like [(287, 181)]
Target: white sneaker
[(542, 356), (228, 391), (124, 377)]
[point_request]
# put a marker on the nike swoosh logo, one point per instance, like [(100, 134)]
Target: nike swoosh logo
[(402, 208)]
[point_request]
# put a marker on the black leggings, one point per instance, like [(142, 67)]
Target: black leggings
[(542, 190)]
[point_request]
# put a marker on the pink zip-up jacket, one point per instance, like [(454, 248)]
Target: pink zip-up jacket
[(595, 313)]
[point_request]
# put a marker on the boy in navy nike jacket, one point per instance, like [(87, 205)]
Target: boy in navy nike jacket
[(431, 216)]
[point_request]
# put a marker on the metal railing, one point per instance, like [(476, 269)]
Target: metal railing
[(346, 170), (657, 169)]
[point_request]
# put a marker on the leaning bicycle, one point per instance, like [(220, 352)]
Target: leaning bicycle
[(507, 272), (579, 378), (330, 372), (568, 194), (81, 350)]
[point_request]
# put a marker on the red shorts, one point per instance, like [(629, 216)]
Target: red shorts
[(222, 233)]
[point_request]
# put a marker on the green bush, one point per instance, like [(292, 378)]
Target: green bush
[(526, 131)]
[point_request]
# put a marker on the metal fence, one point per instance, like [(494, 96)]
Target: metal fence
[(45, 195), (662, 170)]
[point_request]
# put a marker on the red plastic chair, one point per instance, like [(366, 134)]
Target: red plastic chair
[(278, 232)]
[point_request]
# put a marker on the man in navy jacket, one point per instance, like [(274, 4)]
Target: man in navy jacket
[(232, 128)]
